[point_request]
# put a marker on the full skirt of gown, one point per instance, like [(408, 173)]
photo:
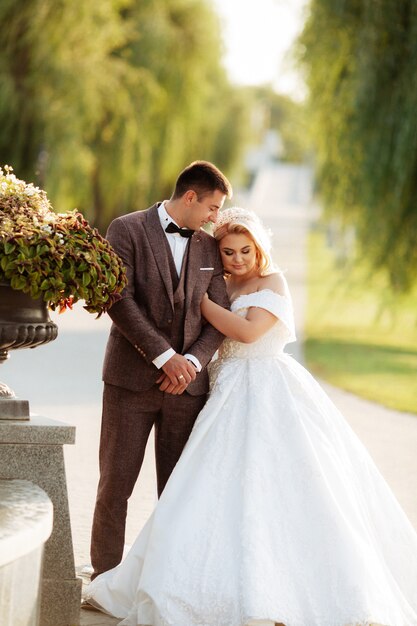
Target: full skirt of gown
[(275, 511)]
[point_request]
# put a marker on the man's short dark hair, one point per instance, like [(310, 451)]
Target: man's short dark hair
[(202, 177)]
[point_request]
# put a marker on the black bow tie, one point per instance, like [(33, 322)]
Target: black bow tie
[(173, 228)]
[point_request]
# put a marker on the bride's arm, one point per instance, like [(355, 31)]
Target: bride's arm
[(245, 329)]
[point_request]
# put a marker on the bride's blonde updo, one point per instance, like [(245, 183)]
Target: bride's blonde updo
[(235, 221)]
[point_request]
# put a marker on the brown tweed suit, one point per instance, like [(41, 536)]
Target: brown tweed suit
[(159, 310)]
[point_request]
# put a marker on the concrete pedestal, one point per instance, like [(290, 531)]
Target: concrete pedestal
[(33, 450), (14, 409)]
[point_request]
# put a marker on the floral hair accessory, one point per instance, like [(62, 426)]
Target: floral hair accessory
[(237, 215), (249, 220)]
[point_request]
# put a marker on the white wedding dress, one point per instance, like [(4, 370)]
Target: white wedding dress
[(275, 511)]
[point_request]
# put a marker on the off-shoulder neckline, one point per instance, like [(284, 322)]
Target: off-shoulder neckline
[(252, 293)]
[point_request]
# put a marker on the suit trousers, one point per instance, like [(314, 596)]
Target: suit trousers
[(127, 420)]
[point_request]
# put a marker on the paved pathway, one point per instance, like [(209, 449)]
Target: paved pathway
[(62, 381)]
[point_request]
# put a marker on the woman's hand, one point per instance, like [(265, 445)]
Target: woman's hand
[(244, 329), (204, 303)]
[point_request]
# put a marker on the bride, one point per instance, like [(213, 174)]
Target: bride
[(275, 512)]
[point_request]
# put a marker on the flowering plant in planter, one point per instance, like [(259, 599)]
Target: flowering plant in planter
[(58, 258)]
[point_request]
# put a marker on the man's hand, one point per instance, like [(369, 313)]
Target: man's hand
[(178, 373), (168, 387)]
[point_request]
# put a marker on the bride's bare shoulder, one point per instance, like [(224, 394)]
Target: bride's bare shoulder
[(276, 282)]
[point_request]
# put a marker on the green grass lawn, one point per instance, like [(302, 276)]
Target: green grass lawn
[(359, 335)]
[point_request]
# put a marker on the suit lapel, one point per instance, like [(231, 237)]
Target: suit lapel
[(156, 238), (194, 264)]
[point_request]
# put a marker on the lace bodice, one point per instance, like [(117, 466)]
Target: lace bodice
[(272, 342)]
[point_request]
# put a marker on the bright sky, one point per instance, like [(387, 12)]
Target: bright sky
[(257, 36)]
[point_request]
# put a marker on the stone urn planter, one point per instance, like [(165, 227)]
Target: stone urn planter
[(48, 260), (24, 323)]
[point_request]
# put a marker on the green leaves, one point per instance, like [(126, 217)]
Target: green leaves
[(18, 282), (86, 279), (9, 248)]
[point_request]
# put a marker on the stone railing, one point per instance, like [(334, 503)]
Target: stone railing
[(26, 515)]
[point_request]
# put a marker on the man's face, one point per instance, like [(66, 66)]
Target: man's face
[(199, 212)]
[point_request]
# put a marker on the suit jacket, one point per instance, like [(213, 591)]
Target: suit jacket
[(141, 319)]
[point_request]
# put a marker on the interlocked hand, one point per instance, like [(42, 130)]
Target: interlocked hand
[(178, 373)]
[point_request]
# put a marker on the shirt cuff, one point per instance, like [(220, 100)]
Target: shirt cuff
[(163, 358), (194, 361)]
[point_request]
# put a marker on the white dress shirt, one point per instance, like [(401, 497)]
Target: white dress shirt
[(178, 245)]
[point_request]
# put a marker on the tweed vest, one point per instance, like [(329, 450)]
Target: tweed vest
[(176, 330)]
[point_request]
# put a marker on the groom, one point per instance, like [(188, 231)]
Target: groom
[(155, 364)]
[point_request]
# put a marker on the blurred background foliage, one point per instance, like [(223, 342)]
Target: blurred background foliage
[(359, 59), (103, 103)]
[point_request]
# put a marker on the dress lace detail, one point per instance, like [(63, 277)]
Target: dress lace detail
[(275, 512)]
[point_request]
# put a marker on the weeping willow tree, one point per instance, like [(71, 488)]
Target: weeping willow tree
[(175, 109), (360, 59), (56, 63), (103, 102)]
